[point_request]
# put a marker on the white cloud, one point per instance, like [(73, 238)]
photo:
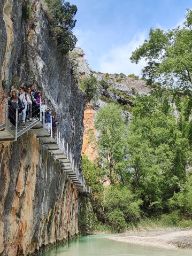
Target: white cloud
[(117, 60)]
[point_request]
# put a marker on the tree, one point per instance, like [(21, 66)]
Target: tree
[(112, 141), (168, 55), (62, 22), (93, 176), (159, 149)]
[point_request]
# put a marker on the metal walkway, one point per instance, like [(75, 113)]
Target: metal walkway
[(58, 149), (9, 132), (56, 146)]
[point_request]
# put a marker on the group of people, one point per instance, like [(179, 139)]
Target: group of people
[(28, 101)]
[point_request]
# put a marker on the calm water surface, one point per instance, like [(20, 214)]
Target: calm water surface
[(101, 246)]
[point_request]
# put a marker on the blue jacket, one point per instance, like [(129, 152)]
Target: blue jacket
[(47, 117)]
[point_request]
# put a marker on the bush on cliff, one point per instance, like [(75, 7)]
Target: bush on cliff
[(104, 84), (89, 86), (62, 22)]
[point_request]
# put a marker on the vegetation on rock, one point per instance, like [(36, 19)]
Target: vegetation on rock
[(61, 14), (89, 86)]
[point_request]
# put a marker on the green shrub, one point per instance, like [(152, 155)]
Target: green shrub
[(121, 198), (107, 76), (90, 87), (184, 223), (117, 220), (171, 219), (93, 176), (133, 76), (122, 75), (182, 201), (26, 11), (104, 84), (87, 218)]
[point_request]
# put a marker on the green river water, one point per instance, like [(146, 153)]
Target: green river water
[(101, 246)]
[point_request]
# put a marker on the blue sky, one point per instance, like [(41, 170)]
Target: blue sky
[(109, 30)]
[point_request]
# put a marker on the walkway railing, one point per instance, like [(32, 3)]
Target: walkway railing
[(12, 124), (11, 120), (65, 148)]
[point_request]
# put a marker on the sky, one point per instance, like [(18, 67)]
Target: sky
[(109, 30)]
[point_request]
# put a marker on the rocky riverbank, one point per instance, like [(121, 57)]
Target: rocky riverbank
[(166, 238)]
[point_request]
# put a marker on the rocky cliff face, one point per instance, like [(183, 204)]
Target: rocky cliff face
[(27, 53), (38, 203)]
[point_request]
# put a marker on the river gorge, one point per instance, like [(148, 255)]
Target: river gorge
[(97, 245)]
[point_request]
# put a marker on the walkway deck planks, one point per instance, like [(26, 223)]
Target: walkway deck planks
[(6, 136)]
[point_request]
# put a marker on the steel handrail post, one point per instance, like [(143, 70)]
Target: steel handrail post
[(43, 119), (6, 113), (59, 139), (63, 145), (67, 153), (73, 164), (51, 126), (16, 123), (40, 107)]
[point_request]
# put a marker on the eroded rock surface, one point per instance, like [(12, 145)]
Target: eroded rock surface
[(89, 147), (39, 204)]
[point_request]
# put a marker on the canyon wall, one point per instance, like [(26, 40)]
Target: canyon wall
[(28, 53), (38, 203)]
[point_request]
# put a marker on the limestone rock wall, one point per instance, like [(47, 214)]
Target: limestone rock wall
[(28, 53), (39, 204), (54, 73)]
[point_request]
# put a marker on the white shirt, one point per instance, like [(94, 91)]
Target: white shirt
[(23, 98)]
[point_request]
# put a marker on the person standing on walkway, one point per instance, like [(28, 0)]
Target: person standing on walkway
[(48, 120), (54, 123), (29, 103), (23, 99), (14, 103), (34, 94)]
